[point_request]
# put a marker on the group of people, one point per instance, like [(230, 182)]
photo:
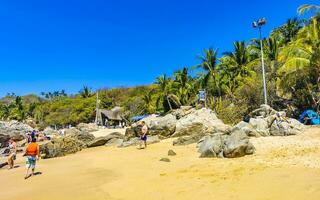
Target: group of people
[(31, 153)]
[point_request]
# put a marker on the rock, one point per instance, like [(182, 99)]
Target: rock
[(211, 146), (12, 129), (91, 127), (153, 139), (50, 131), (85, 137), (237, 145), (183, 111), (260, 125), (186, 140), (72, 131), (62, 146), (131, 142), (263, 112), (114, 142), (200, 122), (164, 126), (247, 128), (103, 140), (171, 153), (165, 160), (286, 127), (221, 145)]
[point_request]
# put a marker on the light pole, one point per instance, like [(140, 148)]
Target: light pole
[(258, 24)]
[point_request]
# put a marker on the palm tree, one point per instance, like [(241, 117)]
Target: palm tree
[(236, 66), (287, 32), (147, 98), (86, 92), (209, 64), (308, 7), (183, 85), (164, 85), (301, 60)]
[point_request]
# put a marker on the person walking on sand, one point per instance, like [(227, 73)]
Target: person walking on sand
[(13, 153), (32, 154), (143, 137)]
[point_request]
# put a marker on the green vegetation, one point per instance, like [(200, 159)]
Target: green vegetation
[(233, 82)]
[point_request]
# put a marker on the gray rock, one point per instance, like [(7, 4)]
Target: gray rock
[(171, 153), (263, 112), (247, 128), (12, 129), (200, 122), (260, 125), (91, 127), (186, 140), (237, 145), (103, 140), (163, 126), (62, 146), (230, 146), (211, 146), (164, 160), (114, 142), (82, 136)]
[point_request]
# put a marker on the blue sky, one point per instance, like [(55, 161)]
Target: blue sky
[(50, 45)]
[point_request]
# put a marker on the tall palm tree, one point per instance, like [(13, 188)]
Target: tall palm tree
[(183, 85), (287, 32), (164, 85), (209, 63), (308, 7)]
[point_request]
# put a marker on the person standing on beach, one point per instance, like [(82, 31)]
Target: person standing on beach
[(143, 137), (32, 154), (13, 153)]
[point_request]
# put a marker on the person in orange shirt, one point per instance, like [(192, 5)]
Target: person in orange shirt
[(32, 155)]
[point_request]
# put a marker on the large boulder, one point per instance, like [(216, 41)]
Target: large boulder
[(237, 145), (247, 128), (263, 112), (85, 137), (200, 122), (221, 145), (286, 127), (91, 127), (105, 139), (62, 146), (12, 129), (211, 146), (260, 125), (162, 125)]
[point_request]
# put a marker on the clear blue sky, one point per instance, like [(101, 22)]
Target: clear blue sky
[(47, 45)]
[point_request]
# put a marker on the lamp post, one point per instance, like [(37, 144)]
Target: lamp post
[(258, 24)]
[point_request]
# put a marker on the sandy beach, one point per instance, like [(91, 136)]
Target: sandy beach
[(285, 168)]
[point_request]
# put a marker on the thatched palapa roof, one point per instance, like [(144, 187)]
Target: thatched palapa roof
[(113, 114)]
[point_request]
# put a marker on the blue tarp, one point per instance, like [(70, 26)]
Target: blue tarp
[(314, 117), (137, 118)]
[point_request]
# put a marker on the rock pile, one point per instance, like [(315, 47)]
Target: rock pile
[(12, 129), (266, 121)]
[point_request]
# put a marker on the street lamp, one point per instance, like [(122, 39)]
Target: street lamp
[(258, 24)]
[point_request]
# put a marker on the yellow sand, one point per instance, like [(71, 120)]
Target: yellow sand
[(284, 168)]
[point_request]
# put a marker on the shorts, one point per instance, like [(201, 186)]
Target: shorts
[(31, 162), (144, 138)]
